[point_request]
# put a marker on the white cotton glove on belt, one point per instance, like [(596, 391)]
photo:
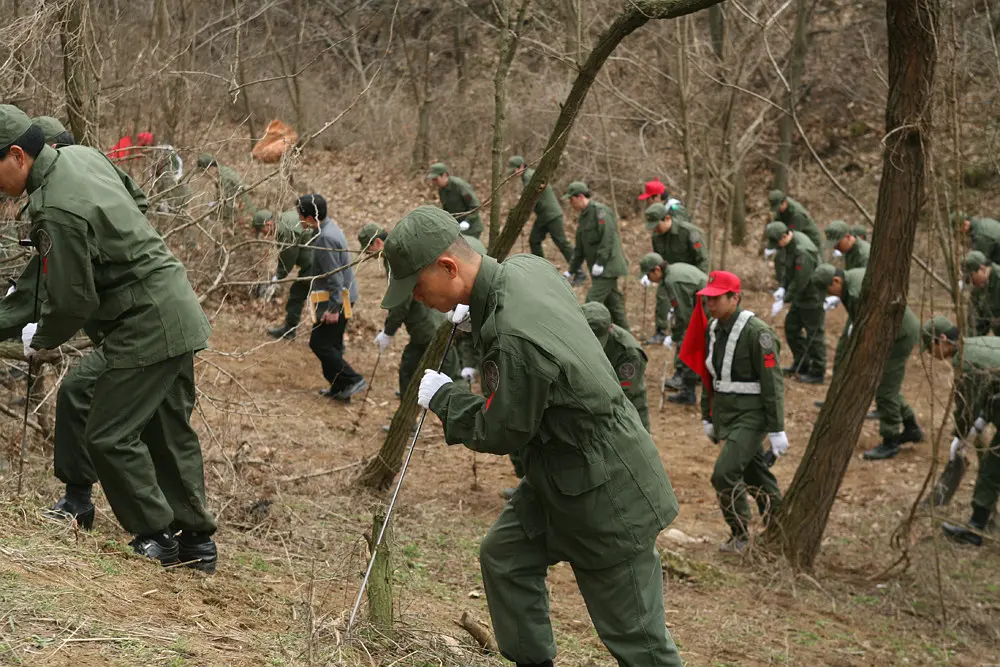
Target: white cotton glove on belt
[(460, 316), (463, 226), (779, 443), (469, 374), (272, 289), (956, 447), (709, 429), (645, 281), (779, 294), (830, 302), (777, 307), (27, 334), (770, 252), (837, 253), (597, 270), (429, 385), (383, 340), (668, 342)]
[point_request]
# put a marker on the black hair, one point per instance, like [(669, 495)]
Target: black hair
[(952, 334), (311, 206), (64, 139), (31, 142), (382, 234), (838, 273)]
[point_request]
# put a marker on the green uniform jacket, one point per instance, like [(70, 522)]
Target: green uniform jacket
[(230, 183), (105, 265), (629, 361), (547, 207), (682, 282), (594, 484), (598, 242), (459, 199), (984, 313), (978, 382), (18, 309), (851, 298), (755, 359), (857, 257), (985, 233), (797, 219), (798, 260), (682, 243), (294, 239)]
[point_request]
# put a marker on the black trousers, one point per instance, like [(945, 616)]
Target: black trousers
[(327, 343)]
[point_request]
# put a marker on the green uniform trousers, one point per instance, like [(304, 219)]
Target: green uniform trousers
[(553, 228), (467, 355), (297, 295), (662, 315), (605, 290), (892, 408), (157, 481), (517, 460), (409, 362), (625, 601), (71, 463), (987, 488), (804, 333), (677, 334), (741, 468)]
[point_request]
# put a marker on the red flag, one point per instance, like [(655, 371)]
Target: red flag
[(694, 348)]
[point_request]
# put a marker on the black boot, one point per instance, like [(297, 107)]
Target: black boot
[(686, 396), (911, 431), (980, 517), (790, 370), (656, 339), (674, 383), (283, 332), (807, 378), (197, 551), (886, 450), (579, 279), (75, 505), (547, 663), (158, 546)]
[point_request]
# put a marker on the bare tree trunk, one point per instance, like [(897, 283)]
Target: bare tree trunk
[(379, 591), (241, 77), (717, 31), (683, 84), (80, 104), (796, 65), (738, 214), (458, 45), (797, 530)]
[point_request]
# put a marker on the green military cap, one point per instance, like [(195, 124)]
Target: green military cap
[(655, 214), (261, 217), (860, 231), (475, 244), (368, 232), (515, 162), (973, 260), (936, 327), (13, 123), (775, 197), (419, 239), (959, 216), (205, 160), (835, 231), (822, 276), (576, 188), (437, 169), (599, 318), (649, 262), (50, 126), (775, 231)]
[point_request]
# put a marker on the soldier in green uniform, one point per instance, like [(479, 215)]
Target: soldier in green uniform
[(794, 215), (804, 324), (56, 134), (736, 355), (677, 292), (106, 269), (293, 240), (846, 244), (598, 243), (861, 232), (229, 186), (655, 192), (548, 216), (457, 198), (976, 387), (594, 491), (676, 241), (624, 353), (893, 410), (984, 309), (983, 233)]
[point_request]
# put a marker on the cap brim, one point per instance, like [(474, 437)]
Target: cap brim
[(650, 226), (400, 289), (644, 196), (712, 290)]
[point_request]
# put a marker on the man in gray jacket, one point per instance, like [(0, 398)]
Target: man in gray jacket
[(333, 285)]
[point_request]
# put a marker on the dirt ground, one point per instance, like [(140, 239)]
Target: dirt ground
[(291, 534)]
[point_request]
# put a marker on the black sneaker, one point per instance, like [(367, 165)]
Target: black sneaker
[(911, 432), (685, 396), (789, 370), (579, 279), (70, 510), (198, 552), (345, 394), (674, 383), (806, 378), (656, 339), (161, 546), (873, 415), (282, 332), (508, 493), (887, 449), (961, 534)]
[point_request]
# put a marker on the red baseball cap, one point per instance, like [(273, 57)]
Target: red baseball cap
[(719, 283), (144, 139), (653, 188)]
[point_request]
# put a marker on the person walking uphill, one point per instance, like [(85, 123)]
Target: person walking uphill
[(595, 493), (293, 240), (548, 216), (624, 353), (598, 243), (333, 289), (107, 270), (457, 198)]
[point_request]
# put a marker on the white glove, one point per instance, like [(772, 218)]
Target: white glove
[(27, 333), (830, 302), (596, 270), (469, 374), (779, 294), (429, 385), (383, 340), (961, 285), (837, 253), (979, 424), (567, 275), (776, 307), (779, 443), (709, 429), (770, 252), (644, 281), (459, 315), (10, 290), (463, 226), (850, 328), (272, 289), (956, 447), (668, 342)]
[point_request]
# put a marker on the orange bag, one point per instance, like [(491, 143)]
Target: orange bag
[(278, 138)]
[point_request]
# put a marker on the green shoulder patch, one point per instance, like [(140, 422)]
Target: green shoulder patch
[(627, 370), (766, 340), (491, 376), (43, 242)]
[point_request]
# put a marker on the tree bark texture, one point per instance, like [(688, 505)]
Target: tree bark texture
[(796, 65), (717, 31), (801, 521), (80, 96), (379, 591)]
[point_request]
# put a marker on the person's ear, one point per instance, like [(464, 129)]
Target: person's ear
[(449, 265)]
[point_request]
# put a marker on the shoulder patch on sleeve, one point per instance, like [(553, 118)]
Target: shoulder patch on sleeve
[(626, 370), (695, 237), (43, 242), (491, 376), (766, 340)]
